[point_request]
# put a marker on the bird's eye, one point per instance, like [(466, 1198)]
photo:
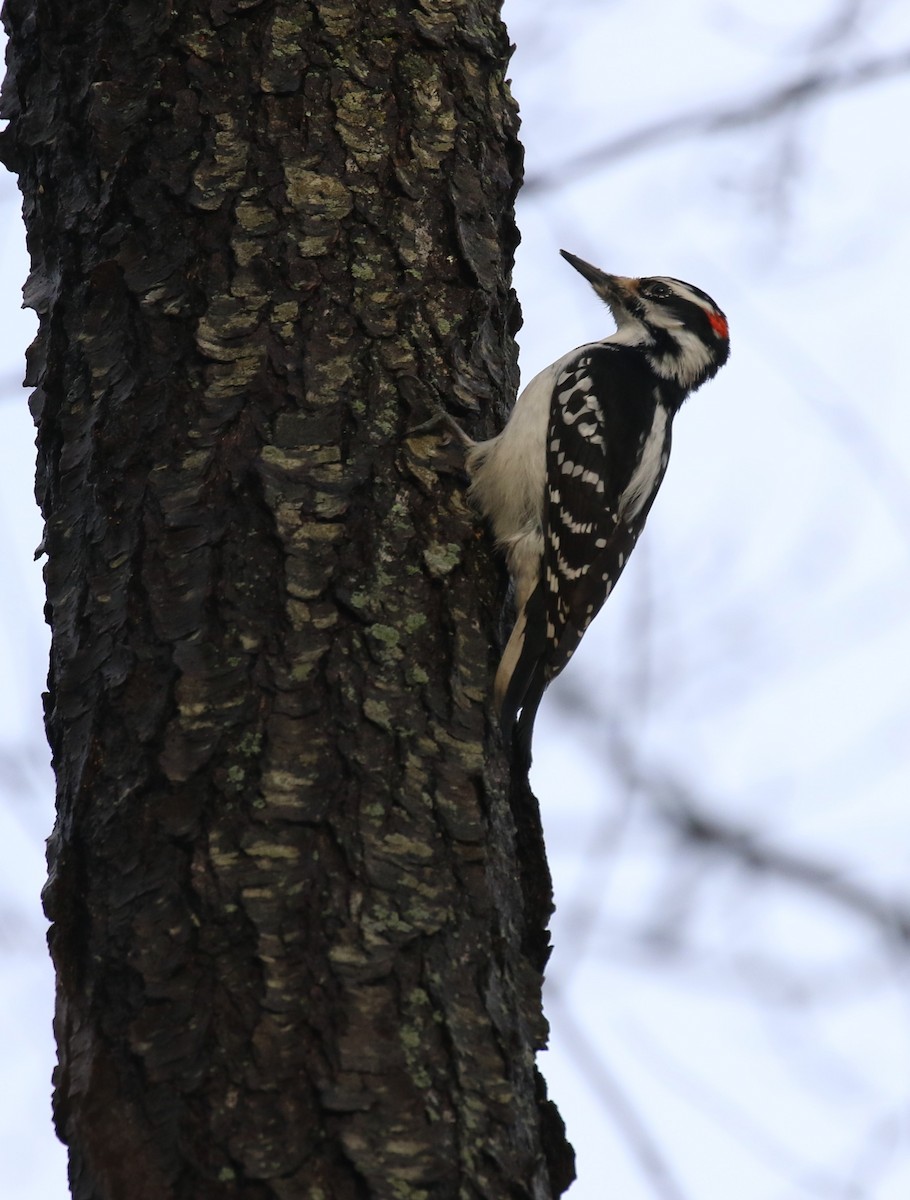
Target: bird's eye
[(655, 291)]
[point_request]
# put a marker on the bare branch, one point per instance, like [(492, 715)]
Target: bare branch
[(707, 829), (809, 88), (614, 1098), (673, 804), (840, 25), (727, 1114), (830, 403)]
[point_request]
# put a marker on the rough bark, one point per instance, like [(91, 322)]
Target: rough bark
[(297, 953)]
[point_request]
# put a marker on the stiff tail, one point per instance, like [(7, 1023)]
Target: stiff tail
[(521, 678)]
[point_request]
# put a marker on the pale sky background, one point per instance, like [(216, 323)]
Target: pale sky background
[(716, 1032)]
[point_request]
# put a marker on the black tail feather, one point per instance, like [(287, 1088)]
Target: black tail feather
[(524, 728), (527, 684)]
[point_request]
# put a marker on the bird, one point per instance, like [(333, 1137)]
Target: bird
[(568, 484)]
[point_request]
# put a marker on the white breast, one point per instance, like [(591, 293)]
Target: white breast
[(508, 472)]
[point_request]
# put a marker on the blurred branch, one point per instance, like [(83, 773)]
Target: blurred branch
[(674, 805), (840, 24), (774, 982), (880, 1148), (873, 454), (808, 89), (757, 854), (727, 1114), (606, 1087)]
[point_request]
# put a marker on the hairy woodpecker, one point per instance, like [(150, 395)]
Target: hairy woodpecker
[(568, 484)]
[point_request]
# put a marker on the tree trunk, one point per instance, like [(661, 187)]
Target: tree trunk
[(298, 951)]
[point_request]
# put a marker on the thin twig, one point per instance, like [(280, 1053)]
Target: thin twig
[(758, 854), (605, 1085), (807, 89)]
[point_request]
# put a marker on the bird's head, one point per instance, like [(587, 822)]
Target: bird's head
[(677, 326)]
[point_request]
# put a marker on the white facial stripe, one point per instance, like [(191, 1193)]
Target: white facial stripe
[(685, 292), (631, 333), (688, 365)]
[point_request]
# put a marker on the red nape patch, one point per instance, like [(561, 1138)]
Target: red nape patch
[(719, 324)]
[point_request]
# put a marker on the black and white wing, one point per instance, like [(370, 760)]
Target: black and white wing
[(608, 443)]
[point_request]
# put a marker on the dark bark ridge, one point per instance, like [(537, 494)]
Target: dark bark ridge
[(294, 959)]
